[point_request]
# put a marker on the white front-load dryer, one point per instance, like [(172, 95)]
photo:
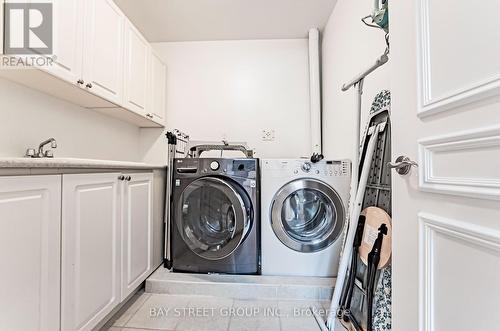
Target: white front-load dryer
[(303, 216)]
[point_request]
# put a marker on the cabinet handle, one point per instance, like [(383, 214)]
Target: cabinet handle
[(149, 115), (128, 178), (89, 85), (121, 177), (80, 82)]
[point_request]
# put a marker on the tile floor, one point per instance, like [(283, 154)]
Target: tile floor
[(198, 313)]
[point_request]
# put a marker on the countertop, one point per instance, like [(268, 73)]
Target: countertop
[(73, 163)]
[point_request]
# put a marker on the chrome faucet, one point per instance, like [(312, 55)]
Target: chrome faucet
[(41, 153)]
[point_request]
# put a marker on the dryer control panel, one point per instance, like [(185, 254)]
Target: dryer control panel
[(328, 168)]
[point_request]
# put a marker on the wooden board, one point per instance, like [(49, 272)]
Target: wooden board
[(375, 217)]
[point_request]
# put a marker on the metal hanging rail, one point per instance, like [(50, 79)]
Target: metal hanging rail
[(378, 63)]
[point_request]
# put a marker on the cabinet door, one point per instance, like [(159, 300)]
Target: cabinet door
[(158, 88), (137, 55), (90, 249), (137, 243), (103, 50), (30, 209), (68, 40)]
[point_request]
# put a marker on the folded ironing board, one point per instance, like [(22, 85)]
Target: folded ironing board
[(377, 194)]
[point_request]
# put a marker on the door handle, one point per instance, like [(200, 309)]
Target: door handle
[(402, 165)]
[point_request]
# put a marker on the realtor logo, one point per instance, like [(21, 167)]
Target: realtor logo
[(28, 28)]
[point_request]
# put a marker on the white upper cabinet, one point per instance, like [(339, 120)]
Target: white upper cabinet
[(137, 56), (105, 60), (103, 49), (137, 242), (68, 40), (158, 91), (30, 224)]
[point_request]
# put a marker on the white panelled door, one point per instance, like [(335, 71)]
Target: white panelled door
[(104, 49), (90, 249), (137, 242), (158, 88), (68, 40), (30, 224), (137, 56), (446, 214)]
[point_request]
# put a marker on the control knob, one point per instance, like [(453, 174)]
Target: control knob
[(306, 167), (214, 165)]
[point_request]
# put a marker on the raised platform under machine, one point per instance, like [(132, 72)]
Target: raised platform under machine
[(241, 286)]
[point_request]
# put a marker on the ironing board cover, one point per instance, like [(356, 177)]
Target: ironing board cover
[(382, 313), (377, 194)]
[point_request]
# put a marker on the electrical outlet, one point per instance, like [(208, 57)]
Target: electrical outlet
[(268, 135)]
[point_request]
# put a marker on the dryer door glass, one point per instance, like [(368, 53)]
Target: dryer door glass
[(307, 215), (215, 217)]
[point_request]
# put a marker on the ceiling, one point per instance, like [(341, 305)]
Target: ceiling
[(190, 20)]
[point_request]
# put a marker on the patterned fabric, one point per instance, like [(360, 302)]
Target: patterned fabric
[(382, 312), (382, 315), (382, 101)]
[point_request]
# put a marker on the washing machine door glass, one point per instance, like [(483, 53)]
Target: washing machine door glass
[(307, 215), (215, 217)]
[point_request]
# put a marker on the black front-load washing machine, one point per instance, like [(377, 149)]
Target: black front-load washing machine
[(215, 216)]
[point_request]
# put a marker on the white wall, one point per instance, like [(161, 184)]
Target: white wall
[(234, 90), (28, 117), (349, 47)]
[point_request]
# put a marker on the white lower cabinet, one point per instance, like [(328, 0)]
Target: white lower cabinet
[(137, 239), (30, 220), (72, 247), (106, 246), (90, 249)]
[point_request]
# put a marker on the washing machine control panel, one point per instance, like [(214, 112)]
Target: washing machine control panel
[(194, 167)]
